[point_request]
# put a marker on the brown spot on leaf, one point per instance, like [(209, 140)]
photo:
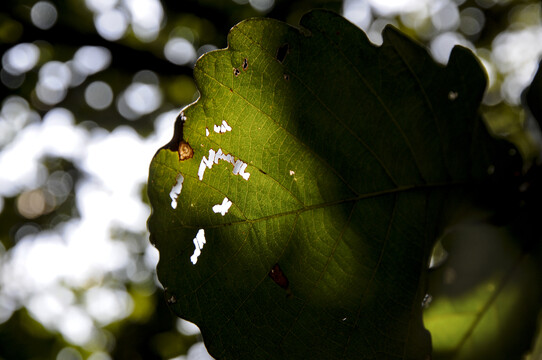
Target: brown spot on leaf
[(245, 64), (282, 51), (278, 277), (236, 72), (185, 151)]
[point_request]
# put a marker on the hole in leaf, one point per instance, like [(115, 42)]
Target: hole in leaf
[(282, 52), (426, 301), (239, 166), (198, 241), (221, 129), (236, 72), (176, 190), (222, 208), (245, 64)]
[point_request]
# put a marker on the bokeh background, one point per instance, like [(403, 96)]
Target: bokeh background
[(90, 90)]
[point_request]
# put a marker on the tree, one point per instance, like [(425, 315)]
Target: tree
[(48, 188)]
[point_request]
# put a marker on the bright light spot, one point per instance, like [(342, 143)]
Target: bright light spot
[(89, 60), (55, 136), (140, 99), (390, 8), (516, 55), (59, 184), (107, 305), (292, 173), (198, 352), (151, 257), (358, 12), (99, 355), (76, 326), (98, 95), (100, 5), (14, 116), (111, 25), (472, 21), (445, 16), (187, 328), (51, 91), (221, 129), (262, 5), (31, 204), (176, 190), (375, 32), (199, 241), (442, 45), (180, 51), (69, 353), (20, 58), (147, 16), (239, 166), (81, 252), (54, 79), (206, 131), (112, 160), (43, 15), (48, 306), (222, 208)]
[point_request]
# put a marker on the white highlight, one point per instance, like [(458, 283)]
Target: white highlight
[(239, 166), (176, 190), (206, 131), (199, 240), (222, 208), (292, 173), (221, 129)]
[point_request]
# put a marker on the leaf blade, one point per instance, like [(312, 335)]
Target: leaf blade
[(343, 211)]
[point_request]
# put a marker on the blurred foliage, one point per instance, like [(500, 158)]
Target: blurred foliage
[(150, 331)]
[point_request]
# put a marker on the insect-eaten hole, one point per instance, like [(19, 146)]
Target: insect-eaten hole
[(185, 151), (282, 51), (286, 77), (245, 64), (236, 72)]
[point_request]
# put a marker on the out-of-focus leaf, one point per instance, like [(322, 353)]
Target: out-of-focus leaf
[(338, 158), (488, 296), (536, 353)]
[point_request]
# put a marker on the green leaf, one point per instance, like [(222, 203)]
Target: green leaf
[(486, 296), (338, 158)]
